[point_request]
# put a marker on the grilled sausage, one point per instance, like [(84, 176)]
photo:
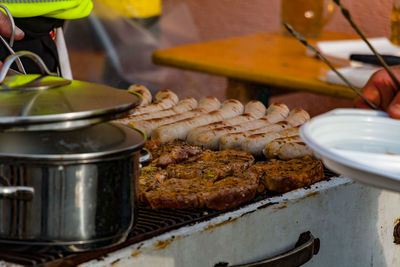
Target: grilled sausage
[(208, 138), (206, 104), (179, 130), (183, 105), (296, 117), (287, 148), (164, 99), (143, 92), (232, 137), (256, 143), (257, 139)]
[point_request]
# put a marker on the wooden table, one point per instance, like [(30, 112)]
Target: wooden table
[(269, 59)]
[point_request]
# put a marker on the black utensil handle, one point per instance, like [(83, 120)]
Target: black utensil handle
[(306, 247), (371, 59)]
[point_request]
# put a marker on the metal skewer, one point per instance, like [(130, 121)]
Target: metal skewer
[(327, 62), (346, 14)]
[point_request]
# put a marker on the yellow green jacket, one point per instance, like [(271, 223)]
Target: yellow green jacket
[(59, 9)]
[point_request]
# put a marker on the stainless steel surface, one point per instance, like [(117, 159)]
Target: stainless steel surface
[(16, 56), (330, 65), (306, 247), (17, 192), (145, 157), (11, 44), (73, 105), (61, 126), (74, 207), (88, 143), (83, 183), (39, 85)]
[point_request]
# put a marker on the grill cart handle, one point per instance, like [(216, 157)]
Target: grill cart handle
[(306, 247)]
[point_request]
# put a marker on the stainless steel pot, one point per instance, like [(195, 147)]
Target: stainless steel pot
[(72, 190), (67, 176)]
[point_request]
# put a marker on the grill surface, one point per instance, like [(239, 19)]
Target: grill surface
[(149, 223)]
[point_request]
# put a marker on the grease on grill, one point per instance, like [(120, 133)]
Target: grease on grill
[(162, 244)]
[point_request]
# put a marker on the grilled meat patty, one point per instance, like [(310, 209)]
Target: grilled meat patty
[(197, 193), (214, 180), (185, 177), (172, 152), (212, 165), (150, 179), (282, 176)]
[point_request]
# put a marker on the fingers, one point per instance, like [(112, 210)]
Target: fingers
[(371, 92), (19, 34), (394, 108), (5, 28), (380, 89)]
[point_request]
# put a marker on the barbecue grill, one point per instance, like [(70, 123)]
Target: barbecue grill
[(353, 222)]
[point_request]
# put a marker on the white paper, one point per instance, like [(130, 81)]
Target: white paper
[(357, 76), (344, 48)]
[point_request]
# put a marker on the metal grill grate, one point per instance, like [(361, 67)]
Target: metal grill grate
[(149, 223)]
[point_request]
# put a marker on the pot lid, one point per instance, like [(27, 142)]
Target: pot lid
[(86, 143), (47, 102), (34, 102)]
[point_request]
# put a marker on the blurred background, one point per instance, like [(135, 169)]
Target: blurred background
[(114, 44)]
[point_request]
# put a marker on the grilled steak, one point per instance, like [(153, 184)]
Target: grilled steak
[(212, 165), (150, 179), (282, 176), (198, 193), (172, 152), (214, 180), (185, 177)]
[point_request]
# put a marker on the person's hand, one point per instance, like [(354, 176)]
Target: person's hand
[(382, 91), (5, 28)]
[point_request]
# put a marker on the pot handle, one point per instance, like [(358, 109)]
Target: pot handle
[(306, 247), (145, 157), (17, 192), (11, 58)]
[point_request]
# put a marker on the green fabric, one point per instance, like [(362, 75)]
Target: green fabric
[(59, 9)]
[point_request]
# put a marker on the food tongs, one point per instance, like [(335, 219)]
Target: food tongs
[(346, 14), (37, 82), (11, 43)]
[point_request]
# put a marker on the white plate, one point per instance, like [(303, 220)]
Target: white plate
[(360, 144)]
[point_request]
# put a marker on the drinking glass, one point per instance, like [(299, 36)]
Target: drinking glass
[(307, 17)]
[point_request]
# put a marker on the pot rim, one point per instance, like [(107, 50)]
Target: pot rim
[(84, 159), (127, 148)]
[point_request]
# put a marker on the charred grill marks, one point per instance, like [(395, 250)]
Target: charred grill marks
[(185, 177)]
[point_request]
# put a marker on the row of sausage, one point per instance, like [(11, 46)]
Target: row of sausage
[(271, 131)]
